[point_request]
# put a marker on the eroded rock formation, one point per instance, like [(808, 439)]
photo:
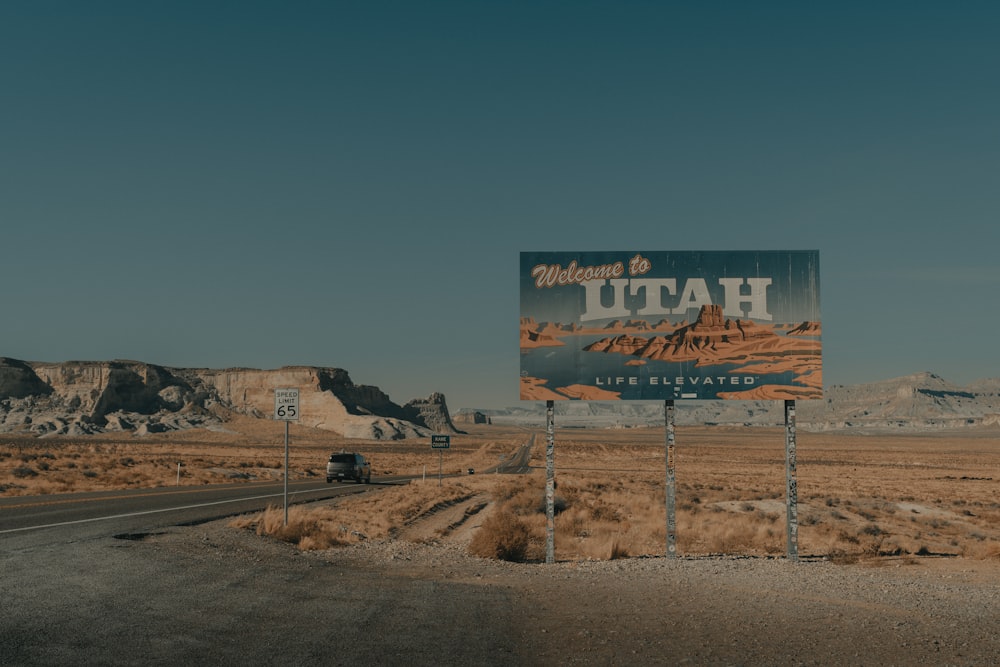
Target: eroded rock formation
[(81, 397)]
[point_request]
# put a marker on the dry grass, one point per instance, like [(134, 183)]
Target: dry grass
[(54, 466), (504, 536), (370, 516), (860, 497), (249, 450)]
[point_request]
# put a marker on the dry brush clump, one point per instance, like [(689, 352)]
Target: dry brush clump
[(515, 528), (594, 519), (307, 528), (368, 516), (503, 536)]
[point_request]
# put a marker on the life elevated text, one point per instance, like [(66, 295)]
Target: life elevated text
[(686, 381)]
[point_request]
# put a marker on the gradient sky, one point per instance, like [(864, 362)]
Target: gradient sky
[(260, 184)]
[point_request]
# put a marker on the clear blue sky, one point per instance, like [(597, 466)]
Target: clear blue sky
[(216, 184)]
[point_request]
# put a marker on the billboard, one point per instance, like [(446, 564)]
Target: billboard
[(740, 325)]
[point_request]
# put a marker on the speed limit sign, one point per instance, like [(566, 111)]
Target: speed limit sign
[(286, 404)]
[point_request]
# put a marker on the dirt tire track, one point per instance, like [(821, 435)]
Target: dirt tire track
[(446, 521)]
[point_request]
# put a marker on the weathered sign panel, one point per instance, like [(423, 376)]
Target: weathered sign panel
[(634, 325)]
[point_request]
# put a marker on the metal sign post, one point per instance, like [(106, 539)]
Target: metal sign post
[(791, 484), (286, 409), (550, 482), (668, 414), (440, 443)]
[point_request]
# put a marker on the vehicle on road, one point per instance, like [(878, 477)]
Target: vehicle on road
[(348, 465)]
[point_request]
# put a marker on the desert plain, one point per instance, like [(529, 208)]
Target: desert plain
[(899, 542)]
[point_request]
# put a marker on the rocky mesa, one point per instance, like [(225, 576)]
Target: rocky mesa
[(83, 397)]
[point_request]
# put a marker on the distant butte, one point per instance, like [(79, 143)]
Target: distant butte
[(85, 397)]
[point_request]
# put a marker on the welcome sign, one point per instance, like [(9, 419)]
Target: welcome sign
[(741, 325)]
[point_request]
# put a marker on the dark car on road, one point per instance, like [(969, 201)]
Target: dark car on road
[(348, 466)]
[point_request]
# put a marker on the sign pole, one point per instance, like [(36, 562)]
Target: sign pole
[(668, 414), (286, 473), (791, 484), (550, 482), (286, 409)]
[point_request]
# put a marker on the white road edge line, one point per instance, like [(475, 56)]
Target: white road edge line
[(167, 509)]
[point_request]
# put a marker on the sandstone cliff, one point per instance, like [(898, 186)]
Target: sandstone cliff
[(81, 397)]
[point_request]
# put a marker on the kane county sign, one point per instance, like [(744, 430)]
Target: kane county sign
[(653, 325)]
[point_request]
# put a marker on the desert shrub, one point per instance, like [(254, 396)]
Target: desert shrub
[(984, 551), (308, 529), (527, 499), (558, 505), (24, 472), (575, 524), (873, 548), (503, 536), (601, 512), (618, 550), (845, 536)]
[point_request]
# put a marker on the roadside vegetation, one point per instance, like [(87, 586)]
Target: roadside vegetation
[(861, 498), (738, 510)]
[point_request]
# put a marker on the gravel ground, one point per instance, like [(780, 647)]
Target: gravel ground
[(726, 611), (212, 594)]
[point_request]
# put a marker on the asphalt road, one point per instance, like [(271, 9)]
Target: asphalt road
[(139, 510)]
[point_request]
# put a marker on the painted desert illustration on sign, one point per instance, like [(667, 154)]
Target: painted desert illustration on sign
[(670, 325)]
